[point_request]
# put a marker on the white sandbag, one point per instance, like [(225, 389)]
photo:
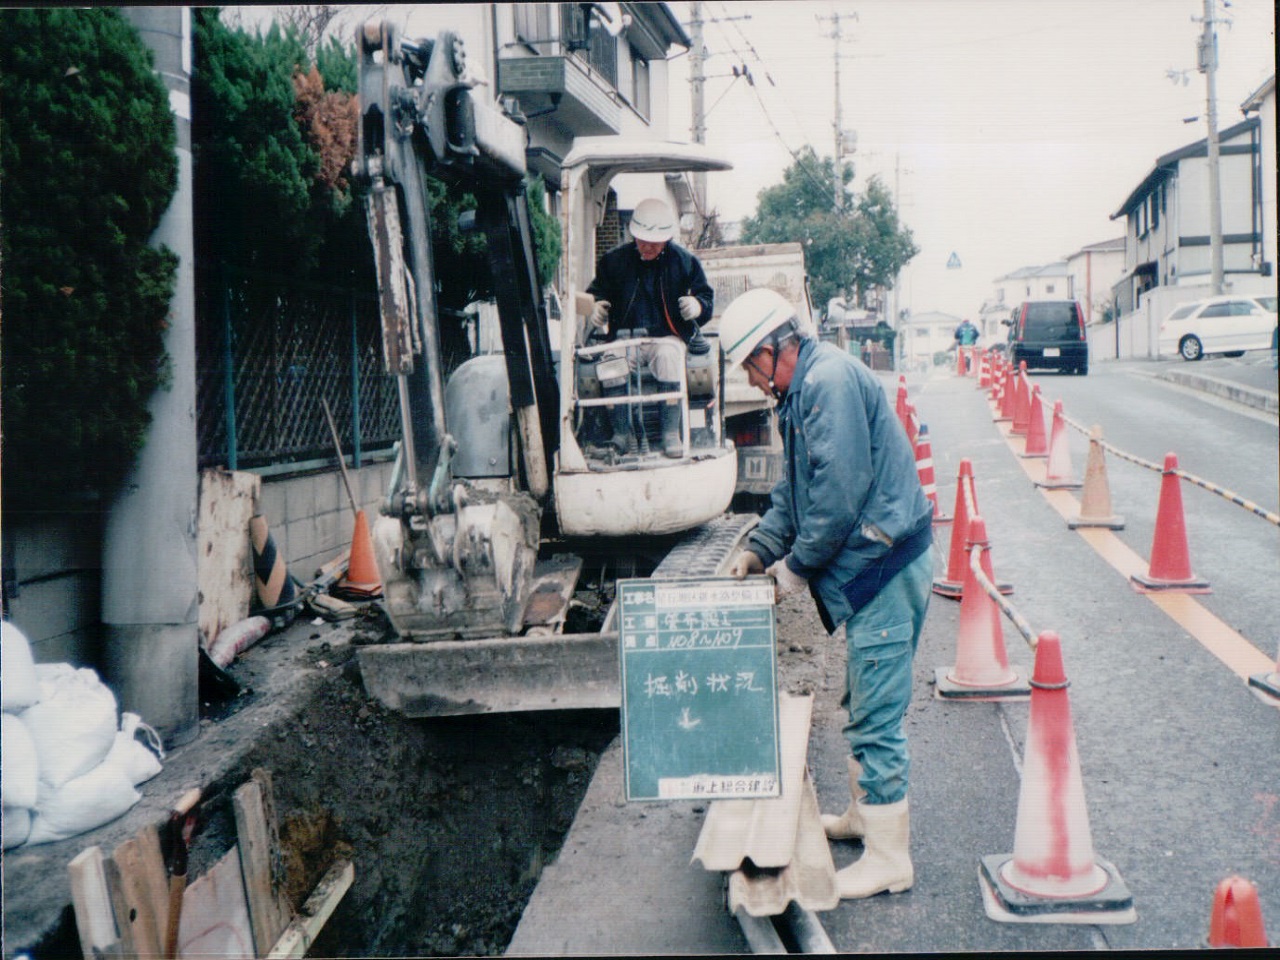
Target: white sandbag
[(21, 772), (73, 725), (19, 688), (84, 803), (138, 763), (233, 640), (17, 826)]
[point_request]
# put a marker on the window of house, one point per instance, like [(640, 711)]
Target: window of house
[(590, 41), (640, 80), (1048, 288), (532, 25), (1155, 208)]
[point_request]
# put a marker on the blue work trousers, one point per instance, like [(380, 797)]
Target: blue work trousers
[(881, 641)]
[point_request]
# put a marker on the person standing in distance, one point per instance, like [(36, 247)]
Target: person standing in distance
[(656, 288), (849, 521)]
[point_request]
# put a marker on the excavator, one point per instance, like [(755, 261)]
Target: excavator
[(500, 469)]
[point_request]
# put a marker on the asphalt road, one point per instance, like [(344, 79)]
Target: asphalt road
[(1178, 757)]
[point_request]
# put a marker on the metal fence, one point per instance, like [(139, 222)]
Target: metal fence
[(269, 350)]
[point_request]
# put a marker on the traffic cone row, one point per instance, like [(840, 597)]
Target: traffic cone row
[(1052, 876), (981, 670)]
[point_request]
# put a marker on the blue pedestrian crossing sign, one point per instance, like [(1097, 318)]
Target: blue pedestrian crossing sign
[(699, 688), (953, 262)]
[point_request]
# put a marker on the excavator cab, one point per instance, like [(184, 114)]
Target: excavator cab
[(602, 489)]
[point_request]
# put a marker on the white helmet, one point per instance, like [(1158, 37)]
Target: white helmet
[(652, 220), (749, 319)]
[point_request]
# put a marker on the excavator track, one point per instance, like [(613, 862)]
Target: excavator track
[(706, 550)]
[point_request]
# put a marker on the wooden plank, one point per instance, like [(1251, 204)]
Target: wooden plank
[(261, 861), (224, 563), (140, 912), (119, 906), (95, 920), (155, 878), (215, 915), (301, 933)]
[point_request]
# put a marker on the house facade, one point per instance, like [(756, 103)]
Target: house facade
[(923, 335), (1092, 271), (1167, 235), (1262, 103)]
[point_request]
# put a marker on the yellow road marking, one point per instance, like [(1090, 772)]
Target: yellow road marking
[(1241, 656)]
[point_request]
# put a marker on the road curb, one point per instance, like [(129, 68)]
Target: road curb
[(1250, 397)]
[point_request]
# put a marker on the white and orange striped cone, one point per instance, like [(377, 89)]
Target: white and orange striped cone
[(981, 670), (912, 424), (1058, 474), (924, 469), (1021, 401), (1008, 395), (1095, 500), (997, 375), (1052, 876), (984, 371), (1268, 684), (1169, 570), (1036, 444)]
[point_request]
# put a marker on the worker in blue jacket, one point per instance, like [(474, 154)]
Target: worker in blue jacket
[(850, 522)]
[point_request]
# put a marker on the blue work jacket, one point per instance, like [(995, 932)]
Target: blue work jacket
[(850, 492)]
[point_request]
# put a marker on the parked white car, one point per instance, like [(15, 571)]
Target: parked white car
[(1227, 324)]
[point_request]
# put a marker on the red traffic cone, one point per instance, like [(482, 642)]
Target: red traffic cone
[(1095, 501), (924, 469), (1268, 684), (362, 580), (1021, 401), (1052, 875), (1170, 567), (951, 585), (1236, 920), (900, 405), (960, 367), (1036, 444), (981, 670), (1058, 473)]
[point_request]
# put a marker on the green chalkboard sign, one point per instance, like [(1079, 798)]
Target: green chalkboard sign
[(699, 688)]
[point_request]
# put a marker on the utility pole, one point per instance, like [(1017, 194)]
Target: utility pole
[(697, 81), (838, 123), (1208, 63)]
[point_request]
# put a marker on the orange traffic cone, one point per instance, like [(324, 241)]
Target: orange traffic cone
[(924, 469), (1036, 445), (1057, 473), (1052, 876), (984, 371), (1268, 684), (900, 405), (1095, 501), (912, 424), (960, 368), (1021, 401), (272, 582), (997, 375), (362, 580), (1008, 395), (981, 670), (1236, 920), (1170, 567), (951, 585)]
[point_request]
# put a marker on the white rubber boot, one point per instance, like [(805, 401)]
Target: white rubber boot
[(886, 862), (848, 825)]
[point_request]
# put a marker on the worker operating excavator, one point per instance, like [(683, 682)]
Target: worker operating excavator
[(650, 286)]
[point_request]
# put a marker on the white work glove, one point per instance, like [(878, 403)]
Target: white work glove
[(690, 308), (785, 583), (600, 314), (745, 564)]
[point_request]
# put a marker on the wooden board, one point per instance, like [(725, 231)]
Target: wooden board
[(215, 915), (95, 920), (224, 566), (261, 861)]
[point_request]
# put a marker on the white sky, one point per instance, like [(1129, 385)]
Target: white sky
[(1018, 126)]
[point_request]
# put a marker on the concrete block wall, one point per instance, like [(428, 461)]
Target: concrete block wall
[(310, 517)]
